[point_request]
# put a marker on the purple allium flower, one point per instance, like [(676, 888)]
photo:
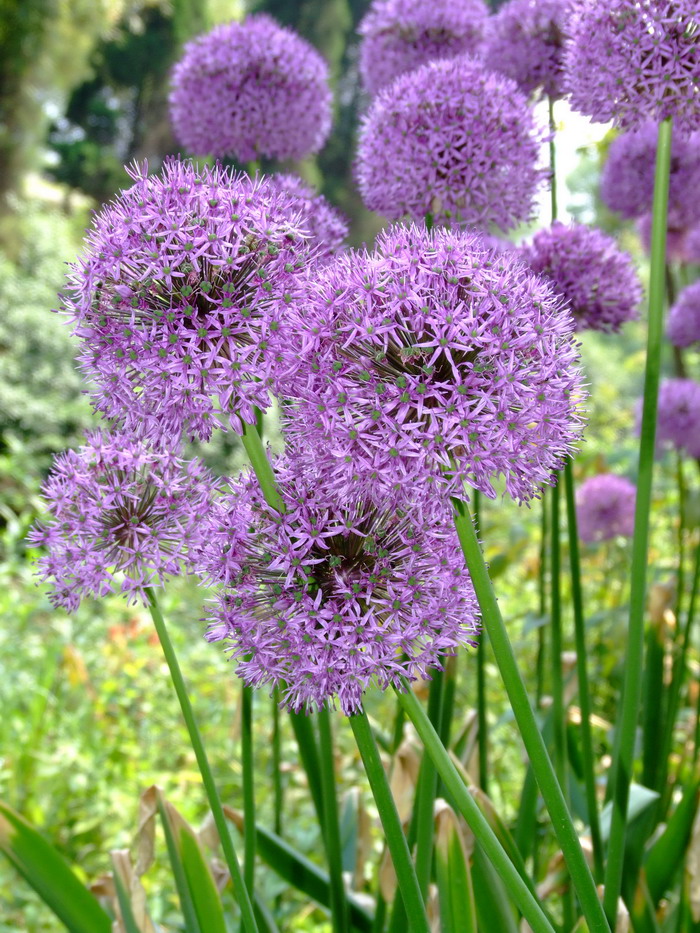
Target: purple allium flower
[(683, 327), (452, 140), (676, 239), (692, 244), (328, 228), (605, 508), (181, 296), (679, 415), (331, 596), (525, 40), (588, 269), (122, 517), (400, 35), (430, 353), (627, 180), (635, 60), (251, 89)]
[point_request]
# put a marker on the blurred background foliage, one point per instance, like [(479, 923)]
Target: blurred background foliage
[(88, 718)]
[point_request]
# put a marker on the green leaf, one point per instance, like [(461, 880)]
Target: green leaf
[(265, 920), (46, 871), (454, 882), (168, 818), (127, 913), (308, 752), (666, 855), (640, 799), (493, 906), (205, 897), (304, 875)]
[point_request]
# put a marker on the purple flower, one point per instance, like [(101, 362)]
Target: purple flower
[(452, 140), (635, 60), (676, 239), (251, 89), (180, 299), (122, 517), (605, 508), (525, 41), (326, 226), (589, 270), (627, 180), (332, 596), (434, 353), (400, 35), (679, 415), (692, 244), (683, 327)]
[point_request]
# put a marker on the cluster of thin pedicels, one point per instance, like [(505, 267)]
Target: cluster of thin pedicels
[(431, 363)]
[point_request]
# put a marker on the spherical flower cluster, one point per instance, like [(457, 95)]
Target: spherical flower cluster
[(683, 328), (122, 517), (451, 140), (329, 597), (605, 508), (676, 239), (635, 60), (692, 244), (590, 271), (251, 89), (525, 40), (400, 35), (180, 298), (432, 354), (326, 226), (627, 179), (679, 415)]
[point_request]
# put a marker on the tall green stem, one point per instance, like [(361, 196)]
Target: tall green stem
[(395, 839), (523, 895), (481, 681), (623, 756), (277, 762), (261, 465), (239, 887), (553, 159), (584, 696), (331, 827), (248, 764), (534, 744)]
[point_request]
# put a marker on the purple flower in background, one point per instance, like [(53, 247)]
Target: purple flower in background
[(605, 508), (434, 352), (525, 41), (635, 60), (679, 415), (676, 239), (400, 35), (122, 517), (627, 179), (326, 226), (588, 269), (251, 89), (451, 140), (683, 327), (180, 299), (335, 595), (692, 244)]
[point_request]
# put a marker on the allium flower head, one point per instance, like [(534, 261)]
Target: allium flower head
[(605, 508), (676, 239), (122, 517), (180, 297), (525, 40), (451, 140), (332, 596), (589, 270), (326, 226), (251, 89), (683, 327), (434, 352), (692, 244), (679, 415), (400, 35), (627, 180), (635, 60)]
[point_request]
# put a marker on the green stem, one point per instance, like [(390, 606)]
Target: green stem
[(239, 887), (584, 695), (248, 764), (331, 827), (395, 839), (553, 159), (623, 755), (481, 681), (261, 465), (682, 506), (277, 762), (523, 896), (532, 738)]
